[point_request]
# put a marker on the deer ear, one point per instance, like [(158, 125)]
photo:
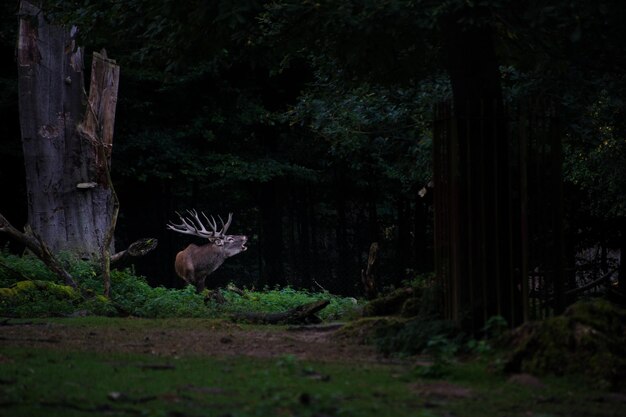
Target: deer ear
[(219, 242)]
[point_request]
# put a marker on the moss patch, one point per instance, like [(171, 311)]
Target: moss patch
[(367, 330), (589, 338), (389, 304)]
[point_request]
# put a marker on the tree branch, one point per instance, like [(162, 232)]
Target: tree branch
[(36, 245)]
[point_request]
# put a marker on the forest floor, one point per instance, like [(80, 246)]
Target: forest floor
[(196, 367), (178, 337)]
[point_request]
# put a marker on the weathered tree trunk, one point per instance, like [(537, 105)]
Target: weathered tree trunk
[(70, 202), (97, 129)]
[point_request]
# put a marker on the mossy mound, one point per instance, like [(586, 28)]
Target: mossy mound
[(392, 303), (367, 330), (589, 339), (23, 288), (39, 298)]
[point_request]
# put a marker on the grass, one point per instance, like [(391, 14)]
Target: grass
[(79, 379), (68, 383), (42, 382)]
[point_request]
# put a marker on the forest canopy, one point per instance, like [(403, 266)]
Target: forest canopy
[(313, 121)]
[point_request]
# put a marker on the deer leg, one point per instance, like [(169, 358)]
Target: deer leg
[(200, 285)]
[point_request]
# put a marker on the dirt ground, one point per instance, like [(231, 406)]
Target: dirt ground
[(317, 343)]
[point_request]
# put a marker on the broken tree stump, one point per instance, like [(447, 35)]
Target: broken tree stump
[(368, 276)]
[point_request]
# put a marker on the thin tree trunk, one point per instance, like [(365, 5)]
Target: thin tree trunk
[(271, 239), (304, 236), (403, 242), (423, 256), (620, 131), (342, 228)]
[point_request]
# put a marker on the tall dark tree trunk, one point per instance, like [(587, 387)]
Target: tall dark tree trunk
[(423, 257), (342, 229), (621, 274), (304, 236), (479, 224), (372, 217), (69, 200), (315, 261)]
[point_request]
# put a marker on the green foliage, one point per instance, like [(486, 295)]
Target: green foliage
[(442, 351), (28, 290), (282, 299), (595, 154), (495, 327), (381, 133), (417, 336)]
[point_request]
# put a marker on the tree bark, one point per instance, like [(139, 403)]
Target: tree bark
[(478, 227), (70, 203), (97, 129)]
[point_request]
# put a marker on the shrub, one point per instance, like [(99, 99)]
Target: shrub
[(416, 335), (282, 299), (28, 289)]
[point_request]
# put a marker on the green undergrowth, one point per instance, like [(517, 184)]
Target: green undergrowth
[(66, 383), (29, 289)]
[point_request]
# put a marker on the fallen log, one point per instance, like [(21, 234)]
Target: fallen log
[(304, 313)]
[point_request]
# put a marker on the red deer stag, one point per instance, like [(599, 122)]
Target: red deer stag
[(195, 263)]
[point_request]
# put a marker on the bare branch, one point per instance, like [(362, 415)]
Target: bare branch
[(36, 244)]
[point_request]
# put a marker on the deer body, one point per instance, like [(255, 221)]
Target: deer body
[(195, 263)]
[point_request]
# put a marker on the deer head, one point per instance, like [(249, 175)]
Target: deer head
[(195, 263)]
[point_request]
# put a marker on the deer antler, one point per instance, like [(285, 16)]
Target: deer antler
[(225, 226), (193, 225)]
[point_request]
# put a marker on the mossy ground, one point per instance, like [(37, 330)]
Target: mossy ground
[(78, 367), (589, 338)]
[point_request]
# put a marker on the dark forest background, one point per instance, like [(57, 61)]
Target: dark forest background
[(312, 123)]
